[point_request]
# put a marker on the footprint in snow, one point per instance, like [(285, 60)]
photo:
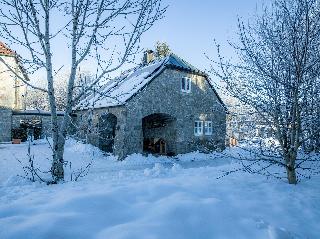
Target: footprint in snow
[(274, 232), (279, 233)]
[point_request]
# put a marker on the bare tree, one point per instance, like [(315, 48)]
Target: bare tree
[(104, 33), (277, 73), (36, 99), (162, 49)]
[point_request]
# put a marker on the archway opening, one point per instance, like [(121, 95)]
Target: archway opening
[(159, 134), (107, 132)]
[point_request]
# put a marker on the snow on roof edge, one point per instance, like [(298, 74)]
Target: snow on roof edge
[(112, 87), (122, 88)]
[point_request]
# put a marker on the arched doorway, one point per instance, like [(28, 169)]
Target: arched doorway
[(107, 132), (159, 134)]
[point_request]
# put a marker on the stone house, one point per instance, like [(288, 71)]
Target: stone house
[(164, 106)]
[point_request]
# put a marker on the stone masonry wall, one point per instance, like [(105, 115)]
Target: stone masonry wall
[(87, 126), (5, 124), (164, 95)]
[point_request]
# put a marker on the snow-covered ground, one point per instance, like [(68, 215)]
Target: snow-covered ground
[(151, 197)]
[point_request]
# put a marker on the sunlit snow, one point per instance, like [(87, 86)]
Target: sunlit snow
[(151, 197)]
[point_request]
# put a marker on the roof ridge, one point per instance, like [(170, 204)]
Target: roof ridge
[(184, 61), (164, 61), (178, 62)]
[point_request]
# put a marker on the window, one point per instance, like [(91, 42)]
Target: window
[(208, 127), (198, 128), (186, 85), (202, 127)]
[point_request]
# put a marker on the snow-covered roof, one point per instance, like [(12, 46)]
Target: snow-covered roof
[(119, 90)]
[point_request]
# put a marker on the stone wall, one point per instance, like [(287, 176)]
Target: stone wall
[(86, 126), (164, 95), (5, 124)]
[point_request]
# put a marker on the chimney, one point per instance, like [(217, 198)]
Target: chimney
[(148, 57)]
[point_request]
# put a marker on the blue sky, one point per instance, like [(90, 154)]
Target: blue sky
[(191, 25)]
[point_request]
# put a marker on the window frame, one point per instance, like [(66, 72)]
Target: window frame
[(207, 127), (198, 127), (186, 82)]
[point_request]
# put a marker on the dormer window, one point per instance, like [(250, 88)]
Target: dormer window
[(186, 85)]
